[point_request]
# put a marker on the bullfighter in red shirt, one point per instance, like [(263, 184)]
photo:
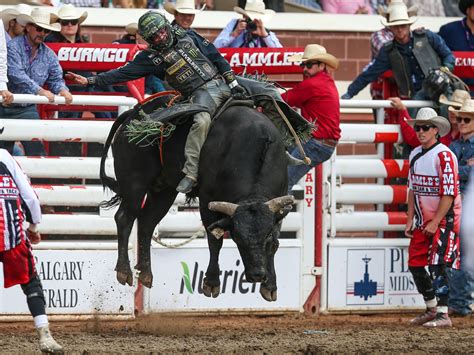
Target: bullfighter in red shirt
[(318, 99)]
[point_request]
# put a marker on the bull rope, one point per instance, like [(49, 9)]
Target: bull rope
[(306, 159), (199, 234)]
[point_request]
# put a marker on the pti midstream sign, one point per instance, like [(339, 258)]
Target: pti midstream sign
[(371, 278), (74, 282), (178, 275)]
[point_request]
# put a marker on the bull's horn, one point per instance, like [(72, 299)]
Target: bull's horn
[(223, 207), (292, 161), (279, 202)]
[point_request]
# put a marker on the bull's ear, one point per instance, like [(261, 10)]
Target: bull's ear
[(283, 212), (218, 228)]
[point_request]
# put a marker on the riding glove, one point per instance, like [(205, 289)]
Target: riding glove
[(238, 92)]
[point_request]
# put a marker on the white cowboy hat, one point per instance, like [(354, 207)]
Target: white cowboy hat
[(183, 7), (457, 98), (255, 9), (132, 28), (316, 52), (427, 115), (467, 109), (384, 10), (40, 17), (12, 13), (397, 14), (69, 12)]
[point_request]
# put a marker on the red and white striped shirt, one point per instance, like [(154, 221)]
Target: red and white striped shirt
[(433, 175), (18, 202)]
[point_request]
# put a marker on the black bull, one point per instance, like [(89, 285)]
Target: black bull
[(243, 164)]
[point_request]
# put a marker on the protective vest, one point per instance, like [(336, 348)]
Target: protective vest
[(186, 67), (424, 54)]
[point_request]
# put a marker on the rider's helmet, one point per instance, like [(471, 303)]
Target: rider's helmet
[(150, 25), (436, 83)]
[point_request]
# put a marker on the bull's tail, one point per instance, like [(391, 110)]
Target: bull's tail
[(107, 181)]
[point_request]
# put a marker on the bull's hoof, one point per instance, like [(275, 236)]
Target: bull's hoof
[(268, 295), (125, 278), (210, 291), (146, 278)]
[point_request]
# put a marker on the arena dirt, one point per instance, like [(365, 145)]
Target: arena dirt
[(257, 334)]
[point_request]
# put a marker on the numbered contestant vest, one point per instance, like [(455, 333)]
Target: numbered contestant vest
[(186, 67)]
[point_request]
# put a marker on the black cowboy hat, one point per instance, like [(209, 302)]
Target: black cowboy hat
[(464, 4)]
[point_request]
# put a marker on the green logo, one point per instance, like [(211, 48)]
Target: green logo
[(187, 277)]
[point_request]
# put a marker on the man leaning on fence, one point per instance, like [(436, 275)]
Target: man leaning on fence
[(411, 56), (434, 208), (30, 66)]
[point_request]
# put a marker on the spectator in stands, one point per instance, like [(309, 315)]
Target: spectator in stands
[(84, 3), (460, 288), (18, 202), (459, 35), (249, 31), (433, 217), (9, 16), (7, 96), (451, 8), (428, 7), (131, 34), (275, 5), (409, 135), (411, 55), (347, 7), (31, 64), (70, 20), (318, 99)]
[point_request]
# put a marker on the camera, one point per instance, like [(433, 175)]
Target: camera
[(251, 26)]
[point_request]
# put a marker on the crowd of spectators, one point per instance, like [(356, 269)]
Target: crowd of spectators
[(369, 7)]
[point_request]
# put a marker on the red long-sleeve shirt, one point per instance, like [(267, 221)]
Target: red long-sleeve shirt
[(409, 134), (318, 99)]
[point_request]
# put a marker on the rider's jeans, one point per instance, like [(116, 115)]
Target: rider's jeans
[(212, 95)]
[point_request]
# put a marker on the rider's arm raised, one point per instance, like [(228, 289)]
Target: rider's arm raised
[(141, 66)]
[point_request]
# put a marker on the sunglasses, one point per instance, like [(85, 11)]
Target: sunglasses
[(308, 65), (424, 128), (69, 22), (41, 29), (466, 120)]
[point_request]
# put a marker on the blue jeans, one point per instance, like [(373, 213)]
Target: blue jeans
[(316, 151), (459, 292), (29, 113)]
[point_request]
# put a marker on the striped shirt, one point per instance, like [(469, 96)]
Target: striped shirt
[(18, 202)]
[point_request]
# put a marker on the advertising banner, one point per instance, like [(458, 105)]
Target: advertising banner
[(178, 275), (364, 278), (74, 282)]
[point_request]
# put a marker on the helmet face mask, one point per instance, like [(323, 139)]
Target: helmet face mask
[(149, 27)]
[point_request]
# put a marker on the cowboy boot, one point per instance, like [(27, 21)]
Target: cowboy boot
[(47, 342)]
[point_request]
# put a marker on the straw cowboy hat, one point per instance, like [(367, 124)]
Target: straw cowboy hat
[(40, 17), (457, 98), (183, 7), (132, 28), (12, 13), (397, 14), (464, 4), (255, 9), (467, 109), (427, 115), (69, 12), (316, 52)]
